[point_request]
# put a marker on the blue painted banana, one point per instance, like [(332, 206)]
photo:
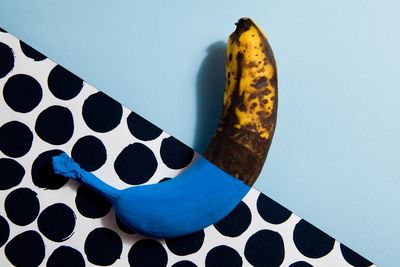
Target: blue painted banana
[(206, 192), (195, 199)]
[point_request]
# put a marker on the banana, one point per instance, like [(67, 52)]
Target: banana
[(247, 124), (206, 192)]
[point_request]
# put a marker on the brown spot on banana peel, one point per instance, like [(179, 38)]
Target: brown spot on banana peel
[(246, 127), (260, 83)]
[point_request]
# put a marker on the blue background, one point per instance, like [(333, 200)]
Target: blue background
[(335, 156)]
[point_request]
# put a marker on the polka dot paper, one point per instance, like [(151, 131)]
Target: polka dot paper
[(48, 220)]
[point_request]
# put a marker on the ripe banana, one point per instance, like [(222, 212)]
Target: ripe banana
[(247, 124), (206, 192)]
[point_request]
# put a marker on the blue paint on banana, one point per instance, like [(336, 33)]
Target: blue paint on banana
[(198, 197)]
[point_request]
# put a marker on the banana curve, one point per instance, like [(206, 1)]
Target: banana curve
[(206, 191)]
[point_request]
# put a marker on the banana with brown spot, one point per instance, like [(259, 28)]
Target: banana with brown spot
[(246, 127)]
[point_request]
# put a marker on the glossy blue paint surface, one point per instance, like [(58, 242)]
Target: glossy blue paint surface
[(200, 196)]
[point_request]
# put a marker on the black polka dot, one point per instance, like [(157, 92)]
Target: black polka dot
[(26, 249), (55, 125), (187, 244), (122, 226), (103, 246), (7, 60), (147, 252), (22, 93), (65, 256), (265, 248), (57, 222), (142, 128), (300, 264), (4, 230), (136, 164), (354, 258), (184, 264), (31, 53), (164, 179), (15, 139), (175, 154), (236, 222), (271, 211), (43, 174), (22, 206), (223, 256), (11, 173), (90, 203), (311, 241), (101, 113), (89, 152), (63, 84)]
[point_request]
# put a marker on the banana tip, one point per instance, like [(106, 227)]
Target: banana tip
[(243, 25), (242, 20)]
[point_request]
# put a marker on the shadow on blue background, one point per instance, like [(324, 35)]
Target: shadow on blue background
[(210, 93)]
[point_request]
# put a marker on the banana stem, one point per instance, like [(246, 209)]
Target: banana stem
[(66, 166)]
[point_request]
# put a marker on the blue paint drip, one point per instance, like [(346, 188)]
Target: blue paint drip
[(198, 197)]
